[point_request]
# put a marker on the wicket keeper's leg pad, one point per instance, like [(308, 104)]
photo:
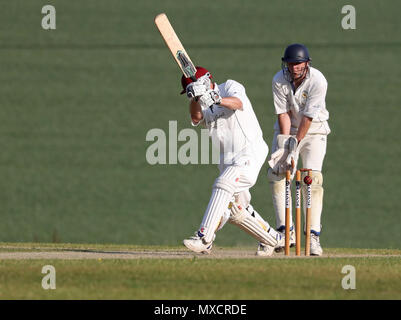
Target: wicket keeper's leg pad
[(277, 186), (316, 198)]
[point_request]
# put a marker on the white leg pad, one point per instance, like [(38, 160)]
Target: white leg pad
[(224, 219), (223, 191), (252, 223), (277, 186), (243, 197), (316, 199)]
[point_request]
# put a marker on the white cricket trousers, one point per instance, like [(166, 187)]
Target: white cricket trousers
[(234, 179)]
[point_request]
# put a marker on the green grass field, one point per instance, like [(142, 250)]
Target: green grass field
[(77, 102), (378, 275)]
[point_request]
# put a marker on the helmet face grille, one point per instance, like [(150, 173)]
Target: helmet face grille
[(287, 73)]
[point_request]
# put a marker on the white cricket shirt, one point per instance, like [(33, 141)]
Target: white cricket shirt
[(235, 132), (308, 100)]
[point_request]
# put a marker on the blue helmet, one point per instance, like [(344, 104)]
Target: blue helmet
[(296, 53)]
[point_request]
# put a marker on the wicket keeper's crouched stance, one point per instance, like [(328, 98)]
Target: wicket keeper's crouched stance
[(227, 113), (299, 93)]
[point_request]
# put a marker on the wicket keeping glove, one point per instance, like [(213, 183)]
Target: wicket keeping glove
[(292, 153), (282, 159)]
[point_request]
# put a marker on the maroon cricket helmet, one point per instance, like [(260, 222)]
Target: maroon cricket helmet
[(199, 73)]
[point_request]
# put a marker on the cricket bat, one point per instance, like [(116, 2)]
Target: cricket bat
[(175, 46)]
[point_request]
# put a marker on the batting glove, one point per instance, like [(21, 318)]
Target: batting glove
[(209, 98), (195, 89), (199, 87)]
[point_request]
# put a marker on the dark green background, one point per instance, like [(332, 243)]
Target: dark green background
[(76, 104)]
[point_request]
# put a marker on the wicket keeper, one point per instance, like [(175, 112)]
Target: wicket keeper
[(301, 129)]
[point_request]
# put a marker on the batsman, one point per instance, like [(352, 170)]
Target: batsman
[(301, 130), (225, 110)]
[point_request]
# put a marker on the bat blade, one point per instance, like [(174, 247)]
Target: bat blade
[(175, 46)]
